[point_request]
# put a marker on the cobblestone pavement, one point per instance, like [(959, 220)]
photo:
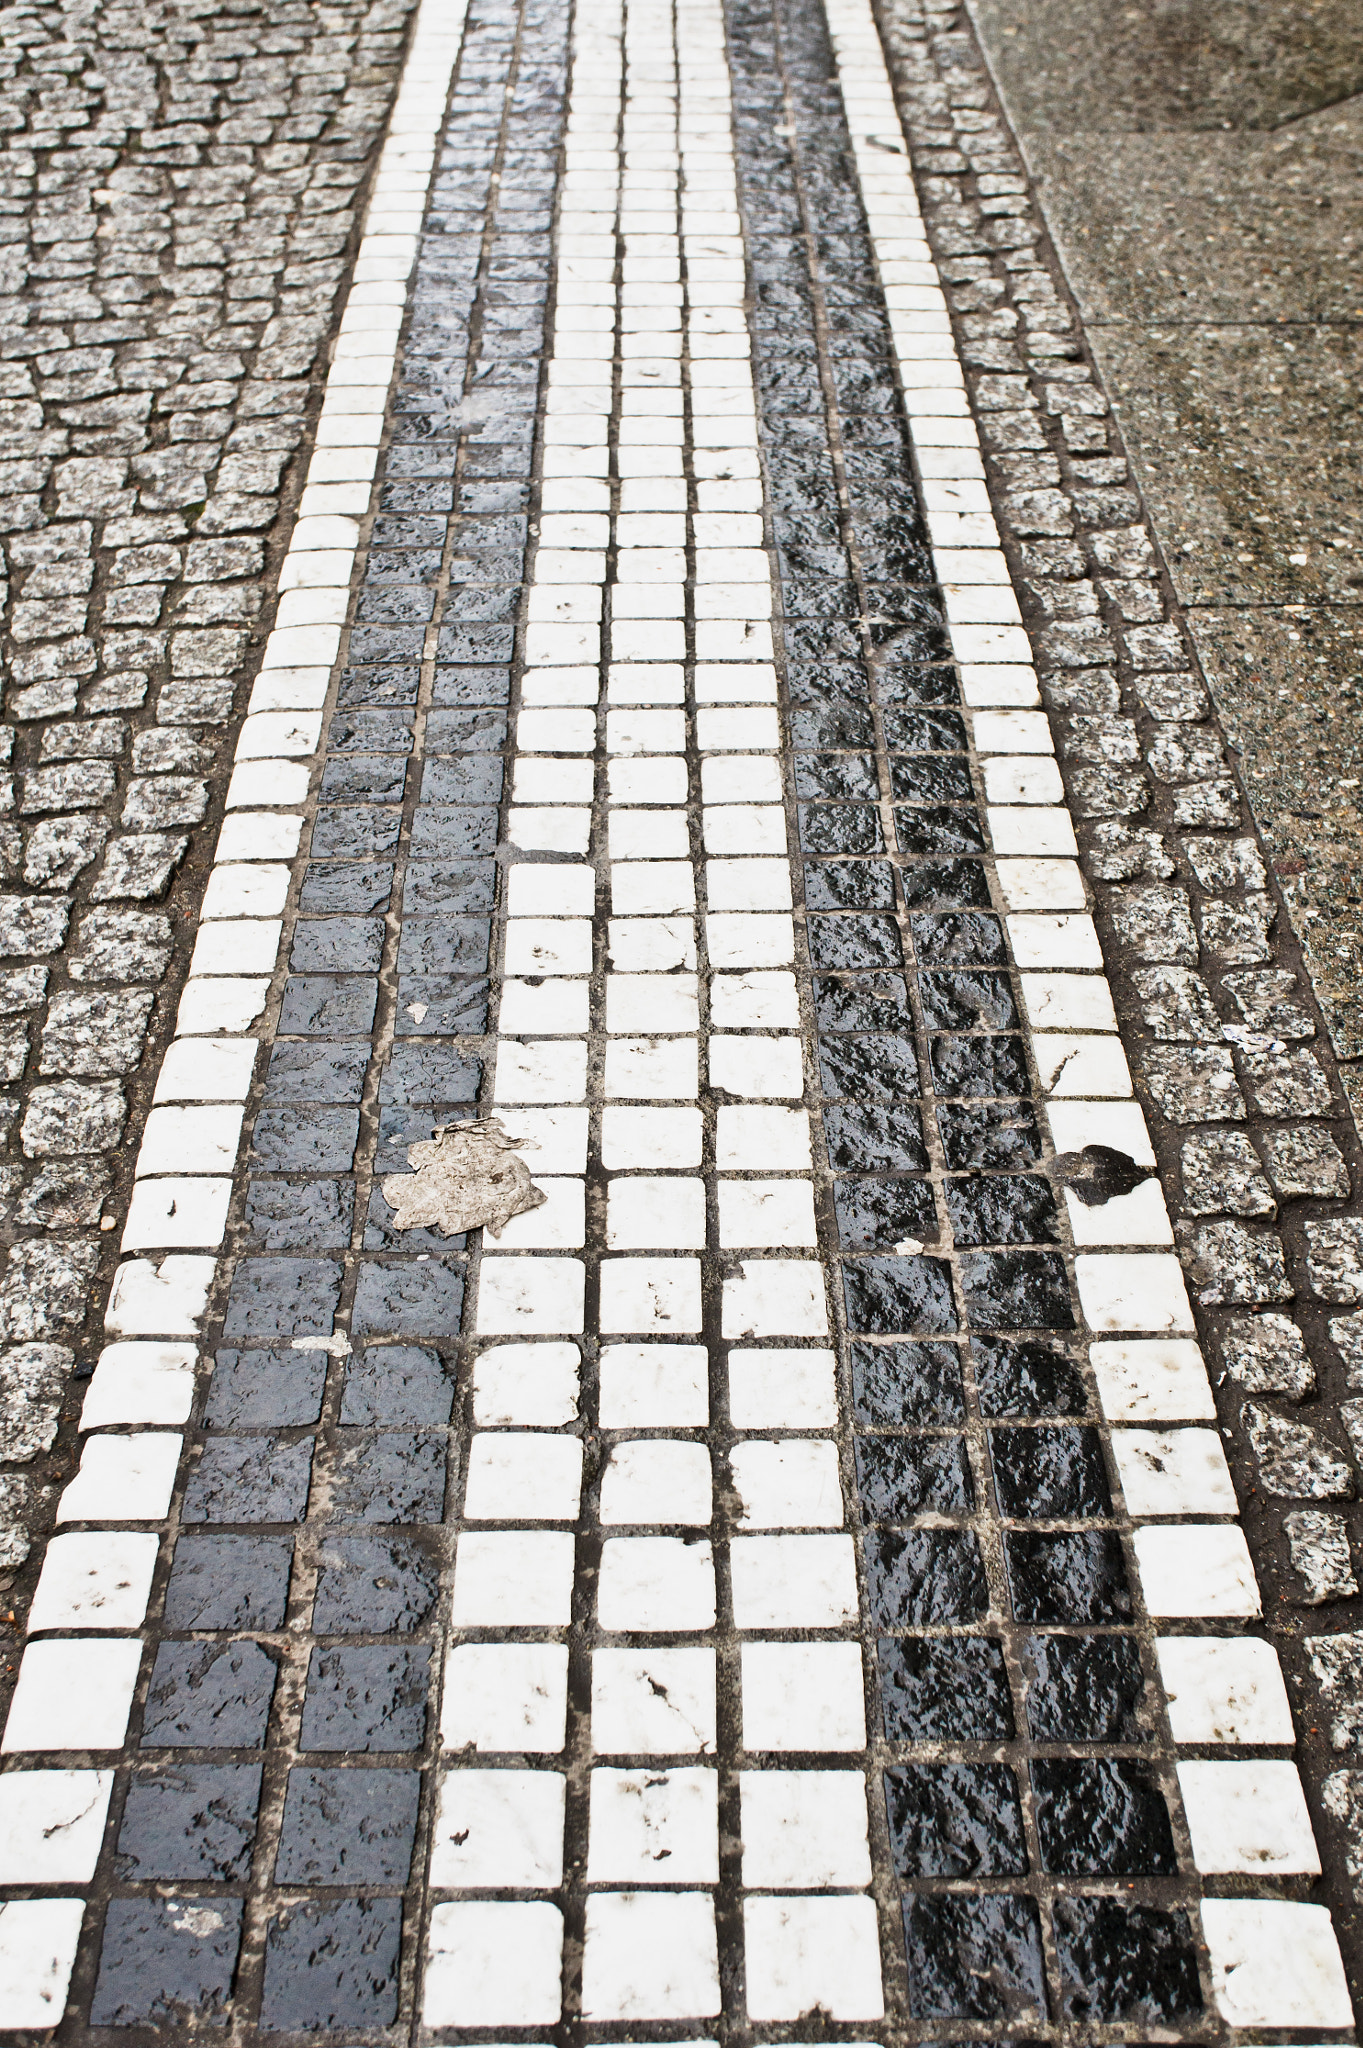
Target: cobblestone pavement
[(792, 1581)]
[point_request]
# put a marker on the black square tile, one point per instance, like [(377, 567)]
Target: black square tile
[(832, 724), (874, 1069), (430, 1073), (867, 1140), (366, 1697), (373, 1585), (944, 1689), (1049, 1475), (988, 1134), (395, 1476), (209, 1696), (288, 1214), (408, 1298), (1084, 1689), (1015, 1377), (348, 1827), (944, 884), (849, 885), (955, 1820), (332, 1966), (845, 778), (966, 936), (875, 1002), (921, 731), (875, 1213), (272, 1298), (1055, 1578), (913, 1384), (892, 1297), (1101, 1817), (316, 1073), (1120, 1961), (939, 829), (921, 1576), (305, 1138), (249, 1479), (397, 1383), (437, 1006), (189, 1821), (229, 1582), (853, 942), (975, 1958), (165, 1962), (923, 779), (1016, 1291), (966, 1001), (1002, 1209), (902, 1477), (345, 885), (967, 1067), (841, 828), (252, 1389)]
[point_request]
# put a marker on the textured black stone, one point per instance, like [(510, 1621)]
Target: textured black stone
[(891, 1297), (466, 887), (400, 1383), (944, 884), (944, 1689), (366, 1697), (1125, 1962), (392, 1477), (253, 1389), (877, 1002), (967, 936), (1002, 1209), (853, 942), (328, 1006), (387, 684), (1066, 1578), (229, 1582), (988, 1134), (453, 732), (1045, 1474), (875, 1069), (444, 945), (866, 1140), (1101, 1817), (1017, 1377), (978, 1066), (273, 1298), (208, 1696), (337, 945), (429, 1073), (332, 1965), (921, 731), (462, 779), (249, 1479), (1084, 1689), (316, 1073), (849, 885), (363, 778), (940, 828), (444, 832), (907, 1383), (920, 1576), (164, 1962), (189, 1821), (841, 828), (1016, 1290), (347, 1827), (352, 832), (923, 779), (448, 1007), (288, 1214), (345, 885), (400, 1298), (955, 1820), (373, 1585), (974, 1958), (901, 1477), (306, 1138), (832, 725), (471, 686), (883, 1212)]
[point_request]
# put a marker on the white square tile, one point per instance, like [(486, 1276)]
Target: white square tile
[(548, 945), (783, 1389), (653, 1482), (788, 1485), (804, 1829), (1022, 779), (652, 888), (646, 682), (766, 1213), (552, 1141), (755, 828), (494, 1963), (95, 1581), (519, 1578), (654, 1827), (505, 1697), (651, 945), (742, 779), (498, 1830), (757, 1066), (1275, 1963), (654, 779), (559, 688), (526, 1384), (803, 1954), (536, 828), (550, 889), (523, 1477), (652, 1003), (649, 836), (1118, 1124), (526, 1297), (775, 1298), (650, 1956), (1031, 828), (650, 1296), (651, 1069), (1066, 939), (1191, 1569), (750, 938), (540, 779), (755, 1001), (1133, 1291), (52, 1825), (545, 1070), (1224, 1689), (746, 731), (643, 1138), (1069, 1063), (1247, 1815), (38, 1939), (735, 682), (753, 1139), (1033, 884), (655, 1214), (1068, 1002), (653, 1702), (656, 1584), (1152, 1380), (1173, 1472), (123, 1479), (559, 1008), (654, 1386), (751, 884), (558, 1224), (793, 1581), (73, 1694)]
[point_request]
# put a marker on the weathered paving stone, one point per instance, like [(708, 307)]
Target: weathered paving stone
[(1294, 1459), (1222, 1170), (208, 1696), (167, 1961), (189, 1821), (1266, 1355), (332, 1965), (1318, 1545), (228, 1582), (1227, 1262), (1101, 1817), (955, 1820), (347, 1827), (1085, 1689), (1337, 1667)]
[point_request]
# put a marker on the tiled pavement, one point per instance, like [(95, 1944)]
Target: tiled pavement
[(790, 1581)]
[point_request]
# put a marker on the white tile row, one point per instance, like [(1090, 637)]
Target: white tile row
[(1274, 1963), (76, 1693)]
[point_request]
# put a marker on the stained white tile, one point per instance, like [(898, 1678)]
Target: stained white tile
[(494, 1963), (1152, 1380), (803, 1954), (652, 888), (557, 1008), (775, 1298), (649, 1138), (654, 1827), (652, 1003), (650, 1956), (653, 1702), (654, 1386), (793, 1581), (651, 1069), (766, 1214), (649, 835), (1173, 1472), (140, 1382), (523, 1477), (1120, 1125), (755, 883), (505, 1697), (1133, 1291), (655, 1213), (1195, 1568), (73, 1693), (529, 1296), (760, 1138), (656, 1584), (643, 1296), (552, 1141), (123, 1479), (1224, 1689), (736, 827), (96, 1581), (758, 1066), (548, 945), (1275, 1963), (1068, 1002), (550, 888), (1070, 1063), (52, 1825), (804, 1830), (545, 1070), (1247, 1815), (657, 1481), (750, 939), (788, 1485), (651, 945), (557, 1224), (527, 1384), (38, 1939), (757, 1000), (519, 1578), (498, 1830)]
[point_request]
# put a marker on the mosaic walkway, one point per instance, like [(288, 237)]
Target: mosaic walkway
[(788, 1584)]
